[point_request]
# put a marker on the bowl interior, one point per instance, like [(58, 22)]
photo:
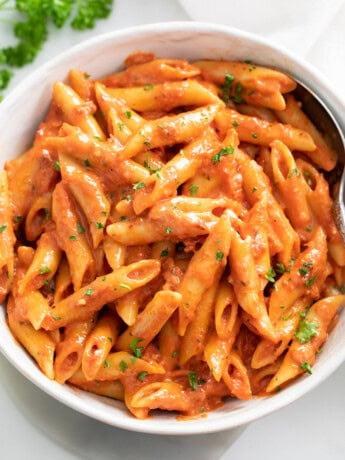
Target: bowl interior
[(20, 115)]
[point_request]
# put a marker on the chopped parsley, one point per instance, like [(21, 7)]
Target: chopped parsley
[(307, 177), (106, 364), (56, 165), (123, 366), (141, 375), (80, 228), (310, 281), (137, 351), (303, 271), (46, 214), (147, 166), (164, 253), (99, 225), (88, 291), (128, 114), (2, 228), (294, 172), (193, 189), (235, 124), (87, 162), (223, 152), (44, 270), (270, 275), (306, 330), (219, 255), (147, 143), (168, 230), (17, 219), (193, 380), (226, 88), (306, 367), (72, 237), (56, 318), (280, 268), (238, 93), (125, 286), (254, 136), (285, 318), (139, 185), (148, 87)]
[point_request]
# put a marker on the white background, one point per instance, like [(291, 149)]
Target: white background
[(34, 426)]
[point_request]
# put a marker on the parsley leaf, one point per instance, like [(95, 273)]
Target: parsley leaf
[(123, 366), (56, 165), (310, 281), (88, 291), (193, 189), (238, 93), (141, 375), (137, 351), (164, 253), (306, 330), (270, 275), (306, 367), (223, 151), (226, 88), (125, 286), (139, 185), (219, 255), (194, 381), (89, 11), (5, 77), (32, 29), (81, 229)]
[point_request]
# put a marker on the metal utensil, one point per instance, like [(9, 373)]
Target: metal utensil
[(318, 112)]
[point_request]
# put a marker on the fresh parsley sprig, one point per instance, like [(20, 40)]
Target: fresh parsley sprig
[(32, 30)]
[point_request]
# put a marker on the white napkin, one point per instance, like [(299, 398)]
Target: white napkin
[(314, 29)]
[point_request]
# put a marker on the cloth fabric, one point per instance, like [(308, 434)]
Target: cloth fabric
[(314, 29)]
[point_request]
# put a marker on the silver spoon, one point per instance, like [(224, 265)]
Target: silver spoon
[(318, 112)]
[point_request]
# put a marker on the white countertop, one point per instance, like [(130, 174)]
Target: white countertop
[(35, 426)]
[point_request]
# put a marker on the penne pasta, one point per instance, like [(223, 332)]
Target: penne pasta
[(99, 343), (168, 240), (262, 132), (89, 299), (248, 82)]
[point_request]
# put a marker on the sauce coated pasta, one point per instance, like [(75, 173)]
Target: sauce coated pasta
[(168, 239)]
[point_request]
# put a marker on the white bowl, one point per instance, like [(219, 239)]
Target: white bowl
[(24, 108)]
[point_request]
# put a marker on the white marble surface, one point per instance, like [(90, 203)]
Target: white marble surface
[(34, 426)]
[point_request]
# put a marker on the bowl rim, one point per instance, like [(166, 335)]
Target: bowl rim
[(277, 401)]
